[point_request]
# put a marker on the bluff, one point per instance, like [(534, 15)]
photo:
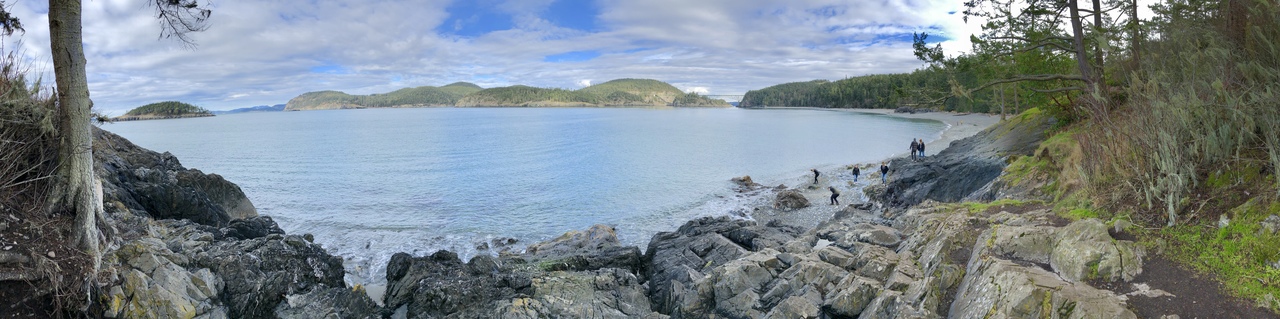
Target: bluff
[(422, 96)]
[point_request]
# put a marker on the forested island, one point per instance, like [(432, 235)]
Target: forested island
[(616, 93), (259, 108), (163, 110)]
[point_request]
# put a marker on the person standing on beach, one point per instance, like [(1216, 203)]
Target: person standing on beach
[(914, 147), (856, 171), (815, 175), (884, 172), (834, 194), (921, 143)]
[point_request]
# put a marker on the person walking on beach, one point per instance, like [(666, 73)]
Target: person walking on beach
[(856, 171), (884, 172), (815, 175), (914, 148), (834, 194), (921, 143)]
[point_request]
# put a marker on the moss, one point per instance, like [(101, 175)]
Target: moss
[(1081, 213), (979, 207)]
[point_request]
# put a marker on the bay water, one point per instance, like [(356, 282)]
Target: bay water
[(369, 183)]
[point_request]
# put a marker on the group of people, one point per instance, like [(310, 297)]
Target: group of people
[(917, 149), (917, 152), (884, 178)]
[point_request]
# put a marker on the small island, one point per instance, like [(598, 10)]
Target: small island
[(163, 110)]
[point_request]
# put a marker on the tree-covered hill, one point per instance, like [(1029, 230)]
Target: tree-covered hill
[(421, 96), (164, 110), (620, 92)]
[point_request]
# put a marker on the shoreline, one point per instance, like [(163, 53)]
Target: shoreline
[(958, 126)]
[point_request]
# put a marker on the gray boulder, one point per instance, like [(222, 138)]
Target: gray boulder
[(790, 200), (330, 303)]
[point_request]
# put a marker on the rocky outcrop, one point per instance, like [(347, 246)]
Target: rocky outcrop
[(145, 183), (581, 274), (675, 260), (964, 167), (185, 270)]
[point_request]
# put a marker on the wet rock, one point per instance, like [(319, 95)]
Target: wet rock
[(790, 200), (744, 182), (154, 184), (594, 248), (336, 303)]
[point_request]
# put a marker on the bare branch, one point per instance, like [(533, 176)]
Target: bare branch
[(179, 18), (1057, 90)]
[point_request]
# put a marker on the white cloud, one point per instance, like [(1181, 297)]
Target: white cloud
[(584, 83), (266, 52), (697, 89)]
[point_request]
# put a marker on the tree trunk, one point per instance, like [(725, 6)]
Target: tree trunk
[(1097, 47), (1135, 35), (76, 190), (1082, 57)]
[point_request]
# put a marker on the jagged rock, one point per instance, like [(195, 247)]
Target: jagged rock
[(790, 200), (675, 260), (852, 296), (440, 285), (595, 248), (1084, 250), (155, 184), (336, 303), (253, 227), (794, 307), (259, 272), (604, 293), (155, 285)]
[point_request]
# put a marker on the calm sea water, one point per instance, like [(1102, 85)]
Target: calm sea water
[(369, 183)]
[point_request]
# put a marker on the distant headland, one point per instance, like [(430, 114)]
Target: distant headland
[(616, 93)]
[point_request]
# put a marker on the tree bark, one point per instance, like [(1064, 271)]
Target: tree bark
[(1097, 47), (76, 190)]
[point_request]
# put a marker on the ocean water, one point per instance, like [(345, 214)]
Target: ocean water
[(370, 183)]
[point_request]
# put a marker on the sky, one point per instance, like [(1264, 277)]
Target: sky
[(267, 52)]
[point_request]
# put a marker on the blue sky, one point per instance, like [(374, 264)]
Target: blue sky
[(267, 52)]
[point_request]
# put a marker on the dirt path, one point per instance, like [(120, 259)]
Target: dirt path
[(1185, 294)]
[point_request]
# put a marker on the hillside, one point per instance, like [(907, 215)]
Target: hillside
[(620, 92), (163, 110), (421, 96), (259, 108)]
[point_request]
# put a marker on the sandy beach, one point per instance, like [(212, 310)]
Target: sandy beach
[(959, 126)]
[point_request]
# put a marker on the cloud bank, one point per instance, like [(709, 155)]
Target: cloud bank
[(266, 52)]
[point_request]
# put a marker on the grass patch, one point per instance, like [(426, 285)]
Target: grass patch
[(1238, 254), (979, 207)]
